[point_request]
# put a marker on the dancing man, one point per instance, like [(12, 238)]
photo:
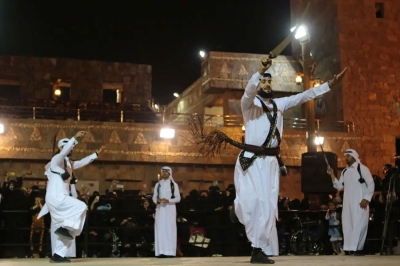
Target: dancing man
[(67, 213), (166, 195), (258, 166), (358, 185)]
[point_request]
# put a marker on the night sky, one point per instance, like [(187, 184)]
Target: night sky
[(167, 34)]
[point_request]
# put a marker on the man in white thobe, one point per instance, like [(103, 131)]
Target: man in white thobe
[(67, 213), (166, 195), (358, 185), (257, 186), (57, 241)]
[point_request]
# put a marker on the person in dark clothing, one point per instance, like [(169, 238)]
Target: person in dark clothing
[(214, 205), (15, 200), (389, 204), (37, 231), (193, 200)]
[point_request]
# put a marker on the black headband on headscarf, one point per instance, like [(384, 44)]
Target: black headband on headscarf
[(267, 75)]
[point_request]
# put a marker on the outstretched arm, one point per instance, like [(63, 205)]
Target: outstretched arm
[(310, 94), (87, 160), (305, 96), (83, 162)]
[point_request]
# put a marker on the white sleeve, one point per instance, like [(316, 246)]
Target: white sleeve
[(339, 184), (59, 158), (369, 181), (55, 163), (73, 191), (155, 193), (177, 195), (83, 162), (250, 92), (305, 96), (68, 147)]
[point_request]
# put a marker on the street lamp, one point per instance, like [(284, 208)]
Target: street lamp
[(303, 36), (176, 94), (202, 54)]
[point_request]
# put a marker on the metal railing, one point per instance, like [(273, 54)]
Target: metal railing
[(299, 220), (138, 116)]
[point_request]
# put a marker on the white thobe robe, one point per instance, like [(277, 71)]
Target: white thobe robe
[(57, 243), (65, 210), (257, 188), (165, 219), (354, 218)]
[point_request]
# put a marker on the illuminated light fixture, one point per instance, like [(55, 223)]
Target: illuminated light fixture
[(156, 106), (299, 78), (1, 128), (202, 54), (301, 33), (57, 92), (319, 140), (317, 82), (176, 94), (167, 133), (243, 128)]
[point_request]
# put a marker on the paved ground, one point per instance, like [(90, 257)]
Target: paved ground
[(219, 261)]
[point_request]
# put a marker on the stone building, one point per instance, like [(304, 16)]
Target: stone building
[(77, 80), (365, 41), (217, 92), (362, 35)]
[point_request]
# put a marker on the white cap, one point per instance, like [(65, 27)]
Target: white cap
[(62, 142)]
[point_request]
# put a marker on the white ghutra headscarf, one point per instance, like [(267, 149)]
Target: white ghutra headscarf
[(353, 154), (167, 168)]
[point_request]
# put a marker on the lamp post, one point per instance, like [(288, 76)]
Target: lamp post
[(304, 38)]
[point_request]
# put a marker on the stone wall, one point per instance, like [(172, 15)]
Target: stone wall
[(233, 71), (368, 47), (86, 78), (135, 153)]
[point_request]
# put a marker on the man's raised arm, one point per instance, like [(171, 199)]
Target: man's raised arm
[(250, 91)]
